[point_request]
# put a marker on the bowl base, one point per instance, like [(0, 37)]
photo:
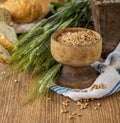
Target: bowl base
[(76, 77)]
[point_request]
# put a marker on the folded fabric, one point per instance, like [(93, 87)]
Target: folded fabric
[(107, 83)]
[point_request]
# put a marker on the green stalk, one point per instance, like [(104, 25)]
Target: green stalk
[(36, 30), (48, 77)]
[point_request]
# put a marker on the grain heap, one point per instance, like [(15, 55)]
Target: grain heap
[(78, 38), (82, 105)]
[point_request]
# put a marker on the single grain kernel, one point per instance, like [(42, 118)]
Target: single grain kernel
[(16, 81), (98, 104), (66, 104), (64, 111), (87, 100), (78, 103), (86, 104), (74, 113), (67, 101), (63, 103), (71, 117), (79, 114), (95, 108), (82, 107)]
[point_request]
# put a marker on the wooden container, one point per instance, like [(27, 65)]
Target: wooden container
[(76, 71), (75, 55), (106, 16)]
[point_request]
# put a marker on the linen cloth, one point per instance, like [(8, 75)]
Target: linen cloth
[(109, 75)]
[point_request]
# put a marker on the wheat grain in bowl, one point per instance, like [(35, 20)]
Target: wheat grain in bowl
[(78, 38)]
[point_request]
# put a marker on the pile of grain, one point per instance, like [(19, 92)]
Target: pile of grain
[(78, 38)]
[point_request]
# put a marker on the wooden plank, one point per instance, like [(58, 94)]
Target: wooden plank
[(12, 94)]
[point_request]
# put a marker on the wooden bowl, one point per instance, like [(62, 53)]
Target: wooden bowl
[(76, 71), (75, 55)]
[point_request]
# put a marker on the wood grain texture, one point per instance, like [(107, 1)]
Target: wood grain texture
[(107, 23), (12, 94)]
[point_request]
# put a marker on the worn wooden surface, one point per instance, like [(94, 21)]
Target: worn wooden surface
[(11, 111), (107, 22)]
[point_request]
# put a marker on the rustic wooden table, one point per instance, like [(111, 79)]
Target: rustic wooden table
[(12, 94)]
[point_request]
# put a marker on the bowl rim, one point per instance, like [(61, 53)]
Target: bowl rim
[(57, 33)]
